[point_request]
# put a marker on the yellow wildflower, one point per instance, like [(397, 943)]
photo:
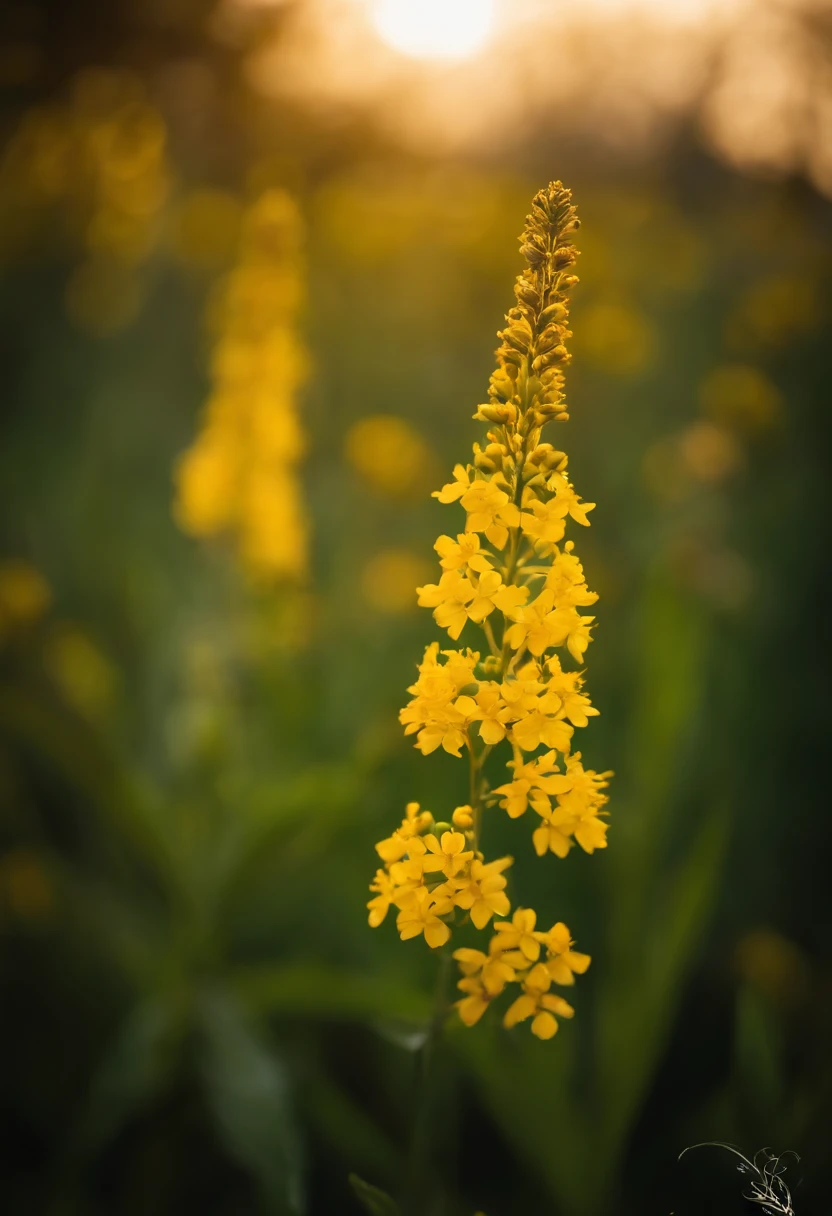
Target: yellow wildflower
[(539, 728), (464, 551), (551, 837), (518, 933), (482, 893), (449, 851), (380, 905), (489, 709), (420, 914), (536, 1002), (563, 963), (448, 597), (511, 574), (473, 1006)]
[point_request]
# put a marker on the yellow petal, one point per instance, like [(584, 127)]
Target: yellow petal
[(437, 934), (471, 1009), (544, 1026), (521, 1009)]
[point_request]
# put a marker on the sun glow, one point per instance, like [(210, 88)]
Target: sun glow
[(434, 29)]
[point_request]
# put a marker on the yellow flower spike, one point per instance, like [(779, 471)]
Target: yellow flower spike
[(512, 574), (239, 477)]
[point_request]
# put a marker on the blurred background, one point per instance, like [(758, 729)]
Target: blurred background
[(253, 257)]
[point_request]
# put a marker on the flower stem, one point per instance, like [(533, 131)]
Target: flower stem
[(421, 1169)]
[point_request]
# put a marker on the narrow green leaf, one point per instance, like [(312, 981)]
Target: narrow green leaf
[(248, 1093), (374, 1201)]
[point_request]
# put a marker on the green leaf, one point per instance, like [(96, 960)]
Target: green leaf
[(248, 1093), (639, 1002), (374, 1201)]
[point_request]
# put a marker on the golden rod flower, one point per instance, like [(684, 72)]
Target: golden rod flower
[(239, 478), (512, 574)]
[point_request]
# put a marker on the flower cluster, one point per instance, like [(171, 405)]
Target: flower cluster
[(511, 573), (240, 475)]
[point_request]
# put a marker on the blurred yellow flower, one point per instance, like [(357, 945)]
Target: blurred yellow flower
[(390, 455), (240, 475), (24, 595), (102, 155), (618, 338), (207, 228), (740, 396), (710, 452), (389, 577), (84, 674), (774, 965), (773, 312)]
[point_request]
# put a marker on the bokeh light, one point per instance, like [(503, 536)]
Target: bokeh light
[(434, 29)]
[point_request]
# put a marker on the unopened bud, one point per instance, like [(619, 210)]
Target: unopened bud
[(463, 817), (555, 312), (501, 385), (495, 412)]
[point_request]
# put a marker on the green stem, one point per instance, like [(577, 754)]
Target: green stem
[(489, 633), (421, 1169)]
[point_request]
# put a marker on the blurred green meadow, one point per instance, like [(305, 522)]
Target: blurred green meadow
[(196, 761)]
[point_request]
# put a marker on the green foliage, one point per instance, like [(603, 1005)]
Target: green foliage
[(374, 1201)]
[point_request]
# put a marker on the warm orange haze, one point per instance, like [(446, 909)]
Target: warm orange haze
[(309, 583)]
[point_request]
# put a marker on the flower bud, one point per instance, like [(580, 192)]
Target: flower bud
[(495, 412), (463, 817), (554, 312)]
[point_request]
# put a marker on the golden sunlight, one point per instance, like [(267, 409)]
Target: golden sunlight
[(434, 29)]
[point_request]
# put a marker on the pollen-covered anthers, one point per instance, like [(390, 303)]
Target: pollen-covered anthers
[(435, 877), (519, 954)]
